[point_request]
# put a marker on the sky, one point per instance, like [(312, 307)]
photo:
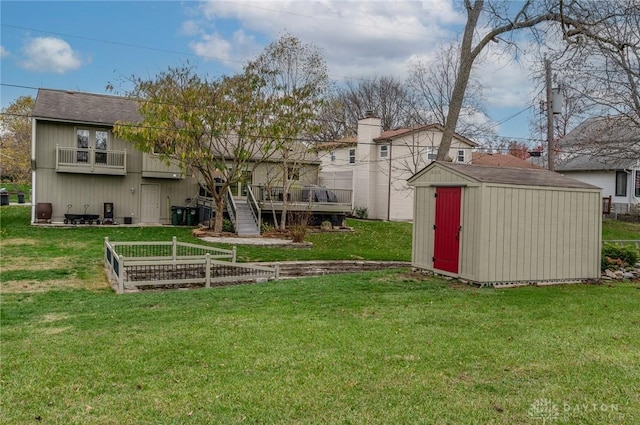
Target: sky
[(87, 45)]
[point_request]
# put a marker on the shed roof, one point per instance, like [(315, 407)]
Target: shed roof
[(70, 106), (505, 175)]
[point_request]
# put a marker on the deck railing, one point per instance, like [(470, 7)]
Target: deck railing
[(89, 160), (135, 264), (253, 206), (310, 194)]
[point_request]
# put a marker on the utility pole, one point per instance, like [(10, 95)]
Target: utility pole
[(550, 144)]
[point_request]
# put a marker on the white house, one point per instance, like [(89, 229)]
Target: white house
[(605, 152), (377, 164)]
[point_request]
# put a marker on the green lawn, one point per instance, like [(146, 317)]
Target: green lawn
[(389, 347)]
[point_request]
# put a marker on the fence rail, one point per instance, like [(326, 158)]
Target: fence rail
[(623, 242), (134, 264)]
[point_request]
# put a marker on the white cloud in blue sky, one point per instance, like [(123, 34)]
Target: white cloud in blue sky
[(4, 52), (49, 54)]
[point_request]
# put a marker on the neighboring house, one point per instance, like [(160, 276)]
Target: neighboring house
[(377, 164), (605, 152), (500, 160), (78, 163)]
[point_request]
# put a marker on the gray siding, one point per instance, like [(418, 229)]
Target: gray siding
[(63, 189)]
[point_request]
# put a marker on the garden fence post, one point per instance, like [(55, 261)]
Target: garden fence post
[(207, 272), (277, 271), (106, 246), (121, 276), (174, 248), (233, 260)]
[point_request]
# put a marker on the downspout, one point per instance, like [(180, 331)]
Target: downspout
[(33, 170), (389, 184)]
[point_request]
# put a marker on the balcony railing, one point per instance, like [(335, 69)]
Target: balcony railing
[(90, 161), (313, 198)]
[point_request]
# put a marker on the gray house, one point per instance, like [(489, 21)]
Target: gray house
[(80, 167), (499, 225)]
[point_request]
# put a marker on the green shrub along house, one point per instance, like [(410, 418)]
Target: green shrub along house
[(500, 225)]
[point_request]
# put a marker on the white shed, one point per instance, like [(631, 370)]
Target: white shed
[(498, 225)]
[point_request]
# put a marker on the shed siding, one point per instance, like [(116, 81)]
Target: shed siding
[(424, 213), (470, 236), (539, 234)]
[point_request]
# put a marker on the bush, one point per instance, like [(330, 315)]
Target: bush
[(618, 256), (361, 212), (227, 226), (298, 223)]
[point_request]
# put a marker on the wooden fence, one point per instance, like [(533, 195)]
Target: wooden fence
[(136, 264)]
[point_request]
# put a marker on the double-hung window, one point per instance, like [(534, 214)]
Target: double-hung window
[(621, 183), (384, 151), (431, 153), (461, 155), (352, 156)]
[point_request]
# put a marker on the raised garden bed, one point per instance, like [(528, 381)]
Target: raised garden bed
[(136, 265)]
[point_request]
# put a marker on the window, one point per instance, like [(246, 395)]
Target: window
[(92, 139), (333, 155), (621, 183), (82, 137), (384, 151), (293, 173), (431, 153), (460, 155), (637, 191), (102, 137), (352, 156)]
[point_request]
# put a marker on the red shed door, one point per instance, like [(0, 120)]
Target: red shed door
[(447, 229)]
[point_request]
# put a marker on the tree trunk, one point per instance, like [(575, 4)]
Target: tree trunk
[(467, 57), (217, 226)]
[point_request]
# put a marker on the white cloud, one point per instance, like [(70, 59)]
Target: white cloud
[(4, 52), (50, 54), (358, 38)]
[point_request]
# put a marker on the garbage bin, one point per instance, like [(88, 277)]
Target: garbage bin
[(4, 198), (193, 216), (177, 215), (21, 197)]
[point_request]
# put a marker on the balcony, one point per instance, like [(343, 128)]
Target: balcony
[(91, 161)]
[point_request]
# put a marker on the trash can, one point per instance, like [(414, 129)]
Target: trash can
[(177, 215), (193, 216), (21, 197), (4, 198)]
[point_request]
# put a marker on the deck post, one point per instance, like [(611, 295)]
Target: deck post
[(207, 272)]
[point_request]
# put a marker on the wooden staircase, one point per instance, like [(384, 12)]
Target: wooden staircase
[(245, 224)]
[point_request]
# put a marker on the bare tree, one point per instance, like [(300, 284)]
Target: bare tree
[(296, 76), (501, 20), (432, 83), (386, 97)]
